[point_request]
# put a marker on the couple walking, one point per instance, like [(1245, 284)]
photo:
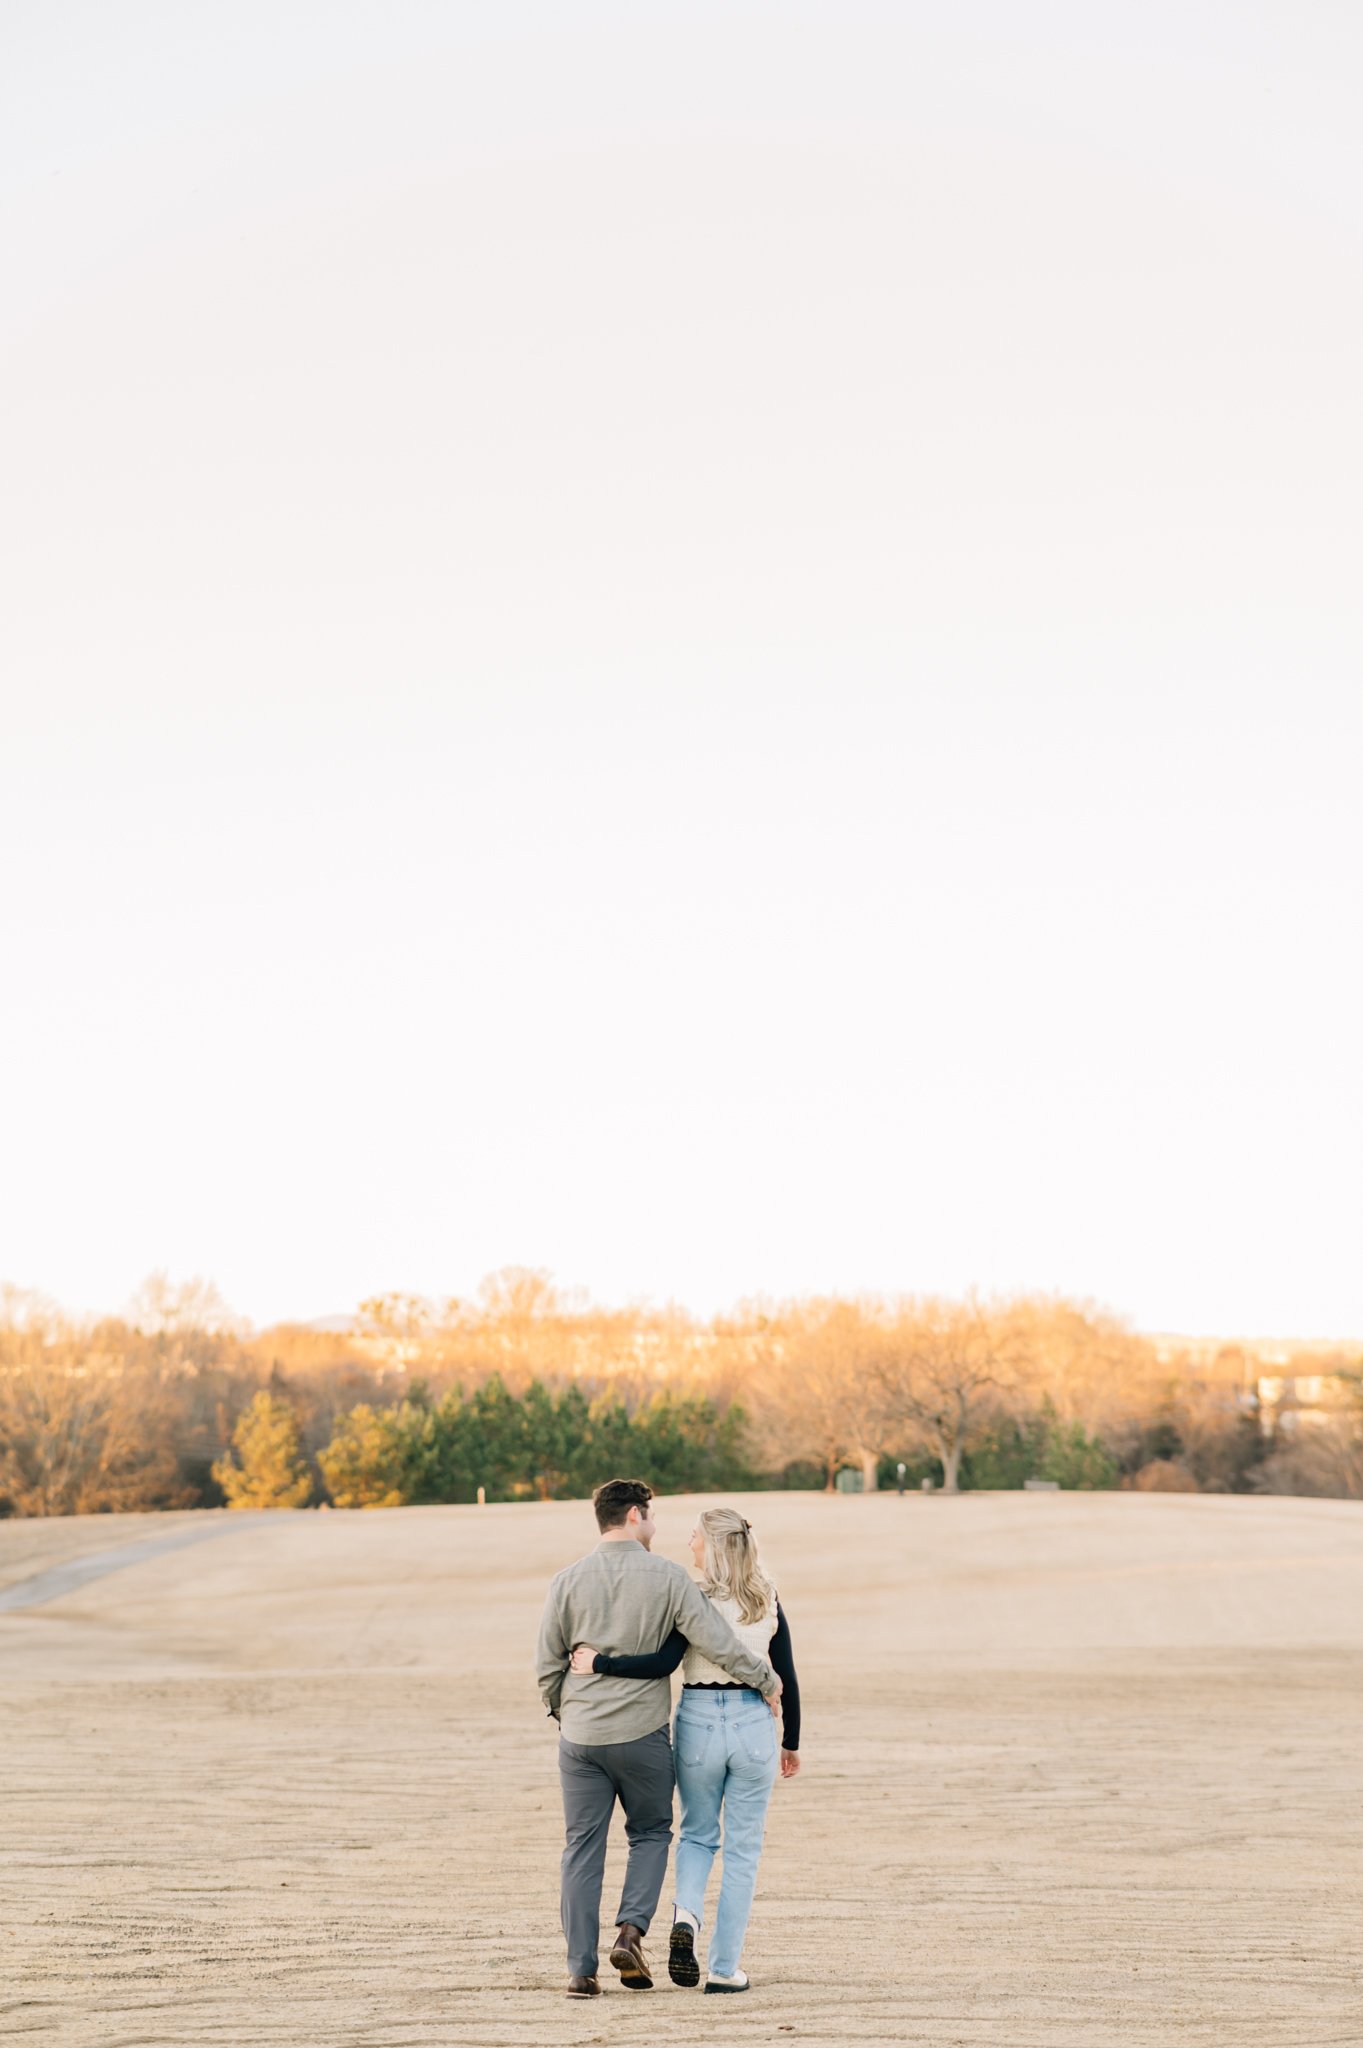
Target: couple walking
[(616, 1625)]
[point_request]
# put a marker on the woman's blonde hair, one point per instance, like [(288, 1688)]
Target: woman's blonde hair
[(733, 1569)]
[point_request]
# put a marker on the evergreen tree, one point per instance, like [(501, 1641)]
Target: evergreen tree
[(442, 1453), (372, 1457), (607, 1445), (495, 1439), (1075, 1459), (273, 1472), (553, 1431), (684, 1446)]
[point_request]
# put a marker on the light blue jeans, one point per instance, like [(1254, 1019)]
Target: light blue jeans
[(726, 1751)]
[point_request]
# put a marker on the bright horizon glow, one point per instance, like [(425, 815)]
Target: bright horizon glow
[(714, 651)]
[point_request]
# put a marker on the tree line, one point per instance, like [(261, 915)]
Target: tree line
[(529, 1392)]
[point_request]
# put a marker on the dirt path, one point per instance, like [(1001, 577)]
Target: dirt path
[(60, 1579), (1080, 1771)]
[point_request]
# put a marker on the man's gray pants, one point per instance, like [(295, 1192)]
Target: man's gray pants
[(594, 1775)]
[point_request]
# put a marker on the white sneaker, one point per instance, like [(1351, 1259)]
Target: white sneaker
[(738, 1983)]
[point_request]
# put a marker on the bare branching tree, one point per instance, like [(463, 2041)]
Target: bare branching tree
[(397, 1328), (78, 1430), (943, 1371), (815, 1392)]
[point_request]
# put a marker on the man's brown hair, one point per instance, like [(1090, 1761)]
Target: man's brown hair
[(614, 1500)]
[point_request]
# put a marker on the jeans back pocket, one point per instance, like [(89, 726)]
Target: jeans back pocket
[(693, 1741), (757, 1739)]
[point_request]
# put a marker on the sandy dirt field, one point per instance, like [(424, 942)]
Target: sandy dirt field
[(1079, 1770)]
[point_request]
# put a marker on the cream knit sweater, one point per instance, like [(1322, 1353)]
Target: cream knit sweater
[(754, 1635)]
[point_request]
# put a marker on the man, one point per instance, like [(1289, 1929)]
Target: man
[(614, 1741)]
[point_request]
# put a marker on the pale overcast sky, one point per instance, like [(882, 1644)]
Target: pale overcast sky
[(714, 647)]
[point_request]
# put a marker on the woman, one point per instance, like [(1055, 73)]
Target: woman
[(725, 1744)]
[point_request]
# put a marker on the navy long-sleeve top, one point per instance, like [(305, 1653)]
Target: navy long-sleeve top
[(661, 1663)]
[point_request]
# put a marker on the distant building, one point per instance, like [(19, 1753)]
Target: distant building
[(1291, 1383)]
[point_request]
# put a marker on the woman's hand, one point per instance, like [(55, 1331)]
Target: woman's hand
[(790, 1762), (583, 1658)]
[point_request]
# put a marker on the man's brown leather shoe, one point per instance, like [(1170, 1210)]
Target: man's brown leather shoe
[(628, 1958), (583, 1987)]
